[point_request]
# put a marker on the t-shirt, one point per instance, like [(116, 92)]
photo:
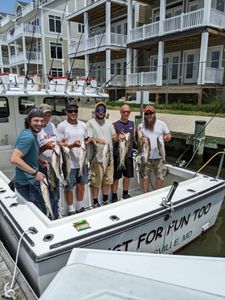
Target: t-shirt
[(71, 133), (160, 128), (125, 127), (101, 130), (28, 145), (46, 135)]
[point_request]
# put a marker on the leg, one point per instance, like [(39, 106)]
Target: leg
[(159, 183), (68, 197), (126, 183), (145, 185), (115, 186)]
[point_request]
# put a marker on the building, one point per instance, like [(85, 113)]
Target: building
[(174, 49), (34, 39)]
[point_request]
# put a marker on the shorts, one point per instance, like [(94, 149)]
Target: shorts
[(156, 166), (128, 172), (97, 174), (74, 179)]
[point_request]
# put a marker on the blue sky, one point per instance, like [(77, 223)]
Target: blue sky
[(8, 5)]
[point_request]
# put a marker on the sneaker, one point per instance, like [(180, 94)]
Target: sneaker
[(71, 213), (126, 196), (95, 205), (80, 210), (104, 202)]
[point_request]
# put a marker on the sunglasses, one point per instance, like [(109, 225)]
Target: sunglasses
[(100, 110), (149, 113), (72, 111)]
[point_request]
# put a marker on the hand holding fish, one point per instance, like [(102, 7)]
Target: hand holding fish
[(47, 146), (76, 143), (143, 139), (40, 176), (43, 163), (121, 136), (101, 141)]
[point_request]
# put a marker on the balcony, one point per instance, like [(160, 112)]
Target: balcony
[(20, 57), (23, 29), (118, 80), (6, 20), (142, 79), (98, 41), (179, 23), (4, 61), (214, 76)]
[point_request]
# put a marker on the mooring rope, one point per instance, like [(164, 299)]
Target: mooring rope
[(9, 292)]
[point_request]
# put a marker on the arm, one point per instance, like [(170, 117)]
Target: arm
[(16, 160), (167, 137)]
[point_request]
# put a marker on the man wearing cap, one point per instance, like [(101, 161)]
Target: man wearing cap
[(157, 133), (102, 131), (25, 158), (73, 132), (47, 139)]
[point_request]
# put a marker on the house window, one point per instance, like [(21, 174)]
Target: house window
[(56, 50), (215, 59), (80, 28), (57, 72), (220, 5), (19, 11), (118, 29), (112, 69), (35, 22), (118, 68), (54, 24)]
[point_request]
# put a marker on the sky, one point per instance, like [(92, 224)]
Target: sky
[(7, 6)]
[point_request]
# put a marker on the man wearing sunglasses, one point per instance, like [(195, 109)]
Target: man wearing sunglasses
[(157, 133), (102, 131), (73, 132)]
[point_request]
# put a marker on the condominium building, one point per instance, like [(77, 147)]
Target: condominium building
[(171, 48), (33, 40)]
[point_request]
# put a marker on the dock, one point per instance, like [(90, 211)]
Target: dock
[(22, 289)]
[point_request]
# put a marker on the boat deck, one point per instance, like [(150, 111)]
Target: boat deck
[(22, 289)]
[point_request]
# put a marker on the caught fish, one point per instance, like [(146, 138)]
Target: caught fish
[(82, 158), (161, 147), (101, 153), (144, 149), (53, 181), (46, 197), (60, 163), (123, 150), (65, 163)]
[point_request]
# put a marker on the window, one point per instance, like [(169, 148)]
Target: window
[(80, 28), (112, 69), (57, 72), (26, 104), (220, 5), (35, 22), (215, 59), (56, 50), (57, 104), (118, 29), (118, 68), (19, 11), (4, 110), (125, 28), (54, 24)]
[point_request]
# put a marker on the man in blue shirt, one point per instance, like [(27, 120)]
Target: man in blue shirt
[(25, 158)]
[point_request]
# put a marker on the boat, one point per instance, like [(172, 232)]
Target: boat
[(129, 275), (161, 221)]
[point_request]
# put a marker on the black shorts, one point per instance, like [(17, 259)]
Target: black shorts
[(128, 172)]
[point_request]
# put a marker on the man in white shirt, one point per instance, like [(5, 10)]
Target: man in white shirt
[(73, 132), (156, 132)]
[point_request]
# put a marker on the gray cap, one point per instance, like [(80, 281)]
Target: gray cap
[(35, 112), (72, 103)]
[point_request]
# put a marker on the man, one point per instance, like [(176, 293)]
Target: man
[(47, 139), (123, 126), (102, 131), (157, 132), (73, 133), (25, 158)]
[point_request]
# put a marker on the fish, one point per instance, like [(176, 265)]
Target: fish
[(65, 163), (46, 197), (101, 153), (53, 182), (144, 149), (123, 150), (82, 158), (161, 147)]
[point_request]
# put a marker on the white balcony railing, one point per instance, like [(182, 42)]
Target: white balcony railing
[(98, 41), (17, 58), (141, 79), (28, 8), (5, 61), (34, 56), (182, 22), (5, 20), (214, 76), (20, 57), (118, 80)]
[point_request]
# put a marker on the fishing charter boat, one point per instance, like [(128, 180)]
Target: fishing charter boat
[(161, 221)]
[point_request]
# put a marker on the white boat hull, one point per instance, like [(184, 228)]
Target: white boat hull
[(139, 224)]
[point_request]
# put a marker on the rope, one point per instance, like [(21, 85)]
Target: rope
[(9, 292), (196, 150)]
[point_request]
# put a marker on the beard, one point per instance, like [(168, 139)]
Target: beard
[(149, 124)]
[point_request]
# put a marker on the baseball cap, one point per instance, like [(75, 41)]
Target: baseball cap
[(100, 103), (149, 108), (45, 107), (72, 103), (35, 112)]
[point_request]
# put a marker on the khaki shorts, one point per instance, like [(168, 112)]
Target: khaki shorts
[(156, 166), (97, 174)]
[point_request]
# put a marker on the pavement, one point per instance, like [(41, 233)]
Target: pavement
[(215, 126)]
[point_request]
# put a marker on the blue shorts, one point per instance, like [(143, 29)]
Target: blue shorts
[(74, 179)]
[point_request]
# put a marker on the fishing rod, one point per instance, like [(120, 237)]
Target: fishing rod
[(27, 78), (178, 162)]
